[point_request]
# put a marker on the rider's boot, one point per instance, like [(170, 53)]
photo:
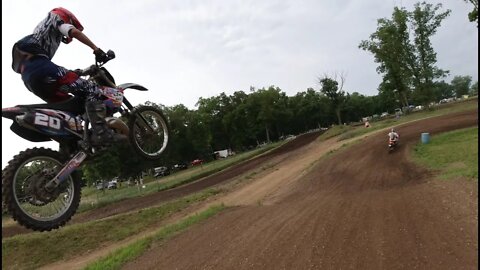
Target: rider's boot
[(101, 134)]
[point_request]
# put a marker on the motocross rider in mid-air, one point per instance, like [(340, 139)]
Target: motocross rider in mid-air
[(393, 136), (32, 59)]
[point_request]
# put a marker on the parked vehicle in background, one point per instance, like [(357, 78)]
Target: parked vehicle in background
[(418, 108), (161, 171), (398, 112), (180, 166), (221, 154), (197, 162), (101, 185), (384, 114), (365, 119), (447, 100), (112, 185)]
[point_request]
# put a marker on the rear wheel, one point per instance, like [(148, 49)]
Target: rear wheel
[(149, 132), (24, 195)]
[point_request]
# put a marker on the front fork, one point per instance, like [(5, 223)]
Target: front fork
[(73, 164)]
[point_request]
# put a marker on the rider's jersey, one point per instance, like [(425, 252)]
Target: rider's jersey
[(393, 136), (46, 37)]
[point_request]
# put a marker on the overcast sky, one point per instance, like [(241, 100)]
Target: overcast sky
[(184, 50)]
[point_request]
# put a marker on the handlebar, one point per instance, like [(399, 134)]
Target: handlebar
[(110, 55), (95, 71)]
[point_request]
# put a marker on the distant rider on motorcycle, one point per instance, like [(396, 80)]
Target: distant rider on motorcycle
[(32, 59), (393, 136)]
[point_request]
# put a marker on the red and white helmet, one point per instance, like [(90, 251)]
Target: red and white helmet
[(69, 18)]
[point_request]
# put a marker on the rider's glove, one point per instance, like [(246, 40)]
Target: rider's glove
[(79, 72), (100, 56)]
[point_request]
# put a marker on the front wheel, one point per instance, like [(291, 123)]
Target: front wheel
[(24, 195), (149, 132)]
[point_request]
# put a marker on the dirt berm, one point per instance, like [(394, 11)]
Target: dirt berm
[(361, 208), (166, 195)]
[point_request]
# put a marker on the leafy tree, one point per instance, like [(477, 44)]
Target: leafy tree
[(270, 108), (336, 95), (473, 15), (389, 98), (309, 110), (474, 89), (212, 111), (104, 167), (461, 85), (354, 108), (425, 21), (443, 90), (392, 50), (235, 120), (181, 147), (407, 64)]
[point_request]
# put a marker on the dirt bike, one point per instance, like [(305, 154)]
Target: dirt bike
[(392, 144), (41, 188)]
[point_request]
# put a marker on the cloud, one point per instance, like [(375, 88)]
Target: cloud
[(184, 50)]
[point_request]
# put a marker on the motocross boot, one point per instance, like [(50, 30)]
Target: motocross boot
[(101, 134)]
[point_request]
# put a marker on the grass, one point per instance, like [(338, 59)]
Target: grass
[(31, 251), (452, 154), (348, 132), (93, 198), (65, 243), (123, 255)]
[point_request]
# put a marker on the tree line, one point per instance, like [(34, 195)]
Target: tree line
[(240, 121)]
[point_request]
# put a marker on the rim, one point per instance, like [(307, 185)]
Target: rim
[(152, 139), (28, 203)]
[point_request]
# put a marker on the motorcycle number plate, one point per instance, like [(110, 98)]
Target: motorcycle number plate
[(47, 121)]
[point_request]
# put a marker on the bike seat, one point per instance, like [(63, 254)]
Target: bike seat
[(73, 105)]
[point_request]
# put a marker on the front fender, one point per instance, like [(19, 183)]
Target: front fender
[(132, 86)]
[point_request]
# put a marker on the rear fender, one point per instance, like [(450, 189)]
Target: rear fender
[(132, 86), (13, 112)]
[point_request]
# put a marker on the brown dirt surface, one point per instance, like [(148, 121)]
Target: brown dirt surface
[(361, 208), (166, 195)]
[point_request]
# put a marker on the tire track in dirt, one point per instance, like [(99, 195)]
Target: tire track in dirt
[(361, 208), (223, 176)]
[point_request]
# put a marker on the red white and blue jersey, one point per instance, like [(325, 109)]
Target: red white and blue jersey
[(46, 37), (32, 57)]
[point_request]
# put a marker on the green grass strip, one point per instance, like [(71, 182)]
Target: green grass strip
[(453, 154), (31, 251), (123, 255), (349, 132), (111, 196)]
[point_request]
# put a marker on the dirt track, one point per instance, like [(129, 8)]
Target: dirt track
[(166, 195), (359, 209)]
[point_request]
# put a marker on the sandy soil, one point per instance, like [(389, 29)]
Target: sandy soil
[(361, 208)]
